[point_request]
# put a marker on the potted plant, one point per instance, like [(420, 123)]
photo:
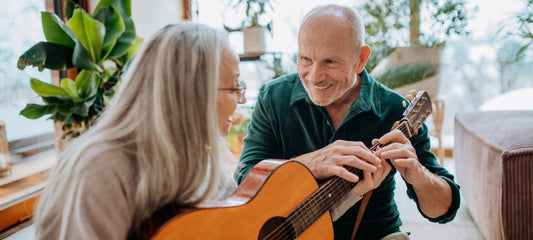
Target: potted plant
[(255, 25), (100, 46)]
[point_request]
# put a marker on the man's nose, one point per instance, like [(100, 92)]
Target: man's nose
[(316, 73)]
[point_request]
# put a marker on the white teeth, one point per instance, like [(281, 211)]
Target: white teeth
[(322, 87)]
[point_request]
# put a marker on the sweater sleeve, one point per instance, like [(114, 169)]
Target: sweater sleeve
[(422, 145)]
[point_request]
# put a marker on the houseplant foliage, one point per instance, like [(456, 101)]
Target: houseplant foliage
[(100, 45), (388, 20), (390, 24), (406, 74)]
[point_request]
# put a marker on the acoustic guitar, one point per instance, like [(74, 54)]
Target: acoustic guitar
[(278, 200)]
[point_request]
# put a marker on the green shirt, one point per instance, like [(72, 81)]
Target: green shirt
[(286, 124)]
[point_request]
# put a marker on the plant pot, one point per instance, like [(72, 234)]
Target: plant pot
[(254, 40), (64, 137)]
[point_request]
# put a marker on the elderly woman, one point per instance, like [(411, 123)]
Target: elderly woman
[(157, 143)]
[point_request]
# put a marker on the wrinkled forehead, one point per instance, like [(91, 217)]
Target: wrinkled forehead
[(318, 35), (326, 24)]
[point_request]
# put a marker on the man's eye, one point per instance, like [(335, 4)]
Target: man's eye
[(329, 61), (304, 59)]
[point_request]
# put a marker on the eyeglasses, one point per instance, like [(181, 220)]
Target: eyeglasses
[(241, 89)]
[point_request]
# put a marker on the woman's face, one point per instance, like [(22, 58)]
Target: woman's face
[(227, 99)]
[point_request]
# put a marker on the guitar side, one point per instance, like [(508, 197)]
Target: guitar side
[(273, 188)]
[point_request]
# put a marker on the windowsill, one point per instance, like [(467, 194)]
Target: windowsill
[(25, 178), (20, 191)]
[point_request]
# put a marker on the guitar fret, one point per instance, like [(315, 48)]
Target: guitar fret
[(313, 208), (332, 191)]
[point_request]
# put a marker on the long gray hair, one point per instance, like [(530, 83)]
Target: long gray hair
[(164, 118)]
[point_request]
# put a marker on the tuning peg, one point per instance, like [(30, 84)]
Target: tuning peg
[(409, 97), (413, 92)]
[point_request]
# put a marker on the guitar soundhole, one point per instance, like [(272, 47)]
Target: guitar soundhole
[(277, 228)]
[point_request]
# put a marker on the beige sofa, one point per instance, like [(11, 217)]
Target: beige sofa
[(493, 154)]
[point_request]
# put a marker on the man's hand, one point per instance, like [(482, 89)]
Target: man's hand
[(372, 180), (434, 193), (330, 160), (402, 155)]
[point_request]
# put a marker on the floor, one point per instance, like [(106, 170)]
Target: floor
[(462, 227)]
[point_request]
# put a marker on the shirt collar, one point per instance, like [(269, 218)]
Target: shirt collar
[(368, 97)]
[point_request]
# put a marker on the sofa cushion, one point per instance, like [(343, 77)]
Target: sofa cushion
[(493, 154)]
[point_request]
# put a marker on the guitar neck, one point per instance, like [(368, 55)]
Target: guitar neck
[(330, 193)]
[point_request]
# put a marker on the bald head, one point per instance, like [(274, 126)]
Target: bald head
[(334, 14)]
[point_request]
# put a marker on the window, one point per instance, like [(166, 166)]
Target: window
[(20, 22)]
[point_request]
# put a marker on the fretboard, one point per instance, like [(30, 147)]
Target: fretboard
[(327, 195)]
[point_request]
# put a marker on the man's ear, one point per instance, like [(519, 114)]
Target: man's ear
[(363, 58)]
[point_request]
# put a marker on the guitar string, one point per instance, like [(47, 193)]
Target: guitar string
[(285, 225), (319, 200), (337, 184)]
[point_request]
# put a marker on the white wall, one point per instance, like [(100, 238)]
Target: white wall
[(150, 16)]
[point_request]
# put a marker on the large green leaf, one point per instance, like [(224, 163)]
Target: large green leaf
[(114, 27), (123, 6), (125, 41), (127, 38), (56, 31), (70, 6), (65, 108), (73, 118), (34, 111), (47, 55), (109, 73), (89, 32), (86, 84), (82, 108), (133, 49), (82, 59), (47, 89), (70, 87), (56, 100)]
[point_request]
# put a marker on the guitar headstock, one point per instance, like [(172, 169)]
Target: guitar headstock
[(418, 111)]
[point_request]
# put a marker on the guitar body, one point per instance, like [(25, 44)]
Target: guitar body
[(273, 189)]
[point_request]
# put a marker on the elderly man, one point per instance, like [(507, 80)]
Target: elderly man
[(330, 112)]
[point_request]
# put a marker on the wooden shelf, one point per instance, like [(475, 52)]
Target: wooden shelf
[(20, 191), (28, 168)]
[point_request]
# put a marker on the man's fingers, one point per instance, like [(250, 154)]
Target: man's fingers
[(368, 178), (359, 152), (358, 163), (345, 174), (394, 136), (386, 166), (396, 153), (404, 162)]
